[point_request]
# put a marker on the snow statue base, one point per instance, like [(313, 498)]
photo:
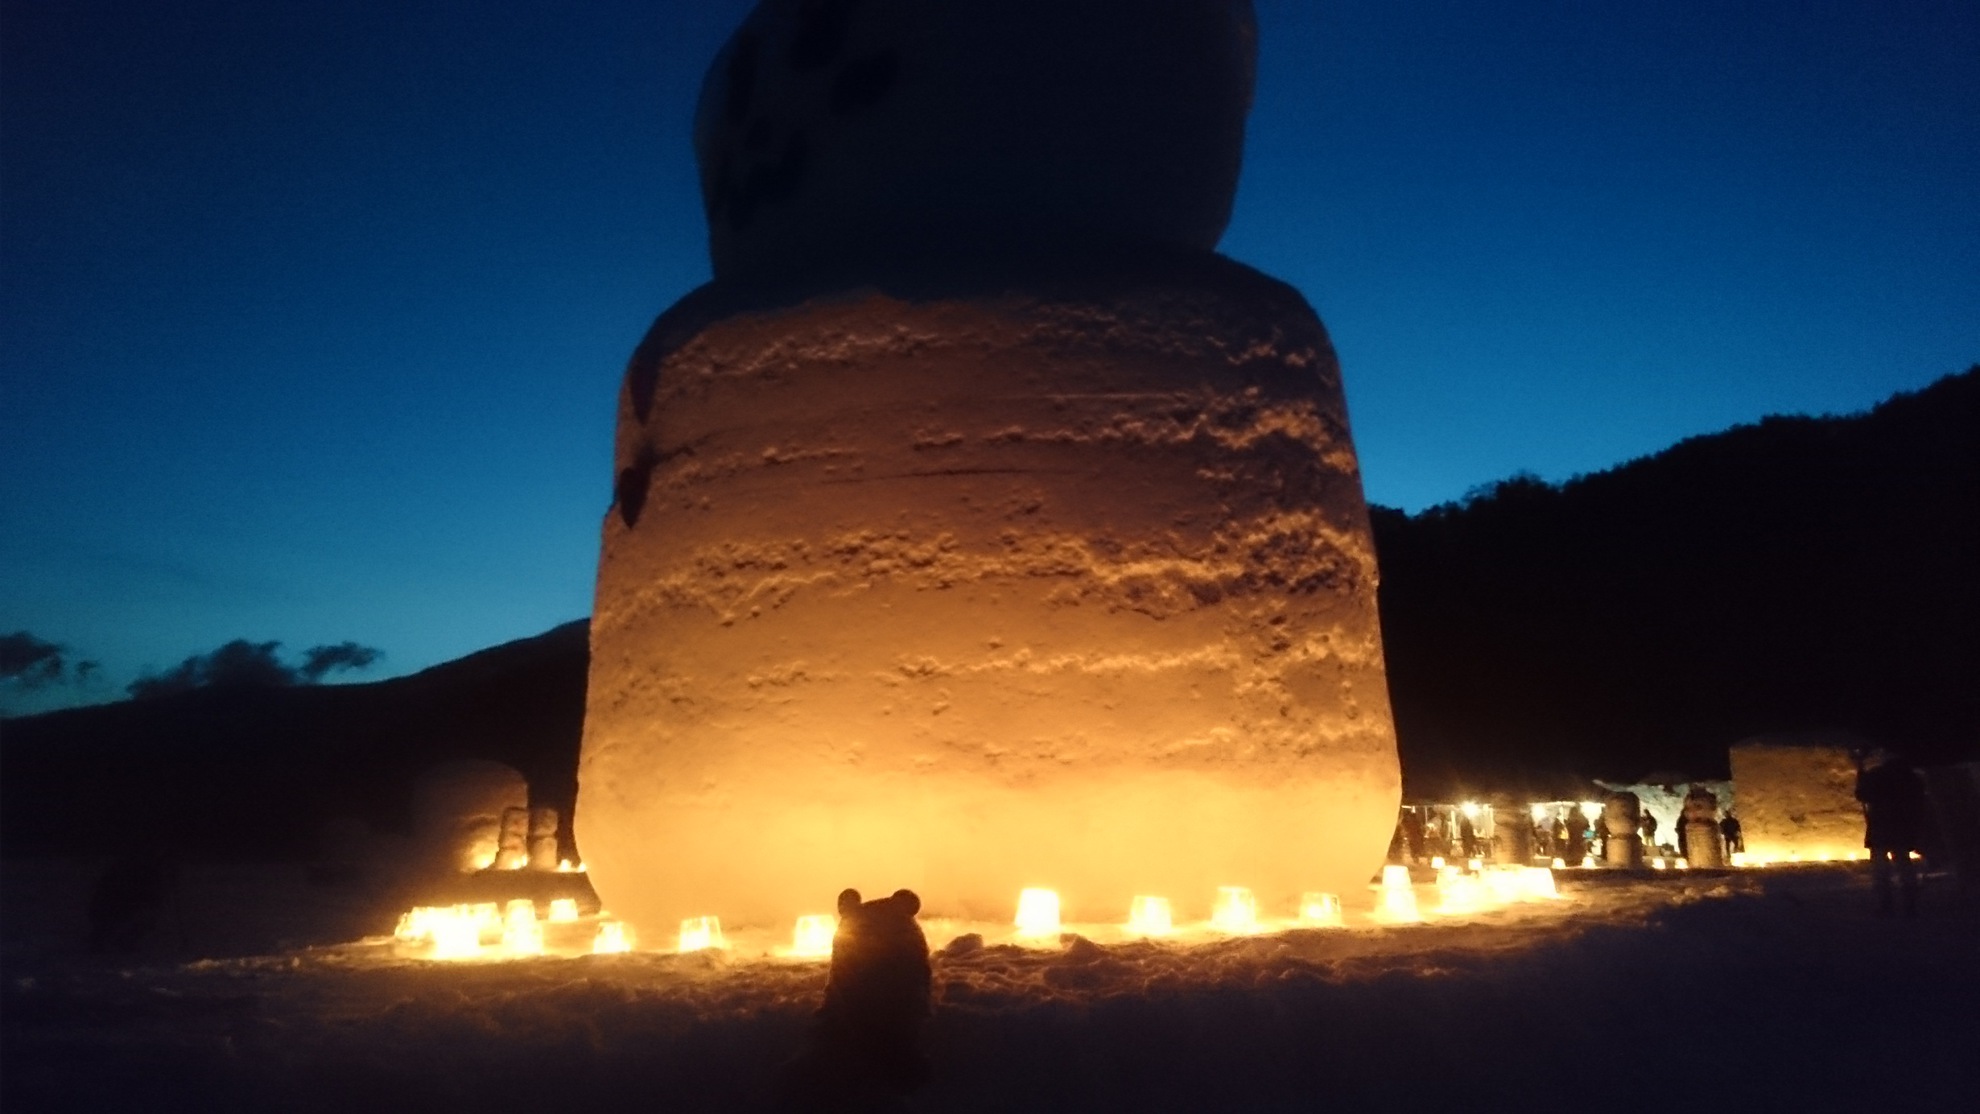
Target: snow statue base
[(979, 529), (966, 594)]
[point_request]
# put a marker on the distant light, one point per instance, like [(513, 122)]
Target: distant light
[(1682, 863), (1436, 862), (1236, 911), (521, 935), (1591, 810), (1588, 862), (1320, 909), (1475, 865), (563, 910), (1394, 875), (1540, 884), (812, 938), (701, 934), (1560, 863), (1658, 863), (1470, 809), (1540, 813), (1150, 916), (613, 938), (1038, 913)]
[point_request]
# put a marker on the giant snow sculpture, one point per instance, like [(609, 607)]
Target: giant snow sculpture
[(978, 527)]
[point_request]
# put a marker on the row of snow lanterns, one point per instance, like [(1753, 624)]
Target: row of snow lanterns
[(457, 931)]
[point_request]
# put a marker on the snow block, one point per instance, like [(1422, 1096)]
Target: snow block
[(1065, 582), (1796, 800)]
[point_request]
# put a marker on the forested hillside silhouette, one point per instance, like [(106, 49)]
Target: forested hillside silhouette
[(1800, 573)]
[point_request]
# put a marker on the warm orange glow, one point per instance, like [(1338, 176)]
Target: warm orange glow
[(1149, 916), (1398, 897), (1591, 811), (1560, 863), (1681, 863), (1458, 894), (1504, 884), (1320, 910), (1588, 862), (454, 933), (613, 937), (564, 866), (1540, 884), (701, 934), (1436, 862), (1658, 863), (1236, 911), (563, 910), (812, 938), (521, 935), (1540, 813), (1474, 865), (1038, 913)]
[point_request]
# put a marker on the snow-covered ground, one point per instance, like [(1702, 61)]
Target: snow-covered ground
[(1759, 991)]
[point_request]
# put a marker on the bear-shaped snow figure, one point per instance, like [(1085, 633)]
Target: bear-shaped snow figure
[(866, 1042), (829, 129)]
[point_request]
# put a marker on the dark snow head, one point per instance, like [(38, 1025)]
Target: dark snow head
[(831, 132)]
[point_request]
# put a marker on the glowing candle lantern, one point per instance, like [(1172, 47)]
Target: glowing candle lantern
[(1681, 863), (1540, 884), (486, 916), (1038, 913), (1236, 911), (1320, 910), (563, 910), (701, 934), (1150, 916), (1658, 863), (1503, 885), (613, 937), (1588, 862), (1436, 862), (1458, 894), (812, 938), (521, 934), (456, 934), (1397, 904), (415, 924), (1559, 863)]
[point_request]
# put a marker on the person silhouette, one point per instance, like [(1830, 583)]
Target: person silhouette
[(1893, 799)]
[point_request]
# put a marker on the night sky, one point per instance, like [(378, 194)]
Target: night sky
[(314, 312)]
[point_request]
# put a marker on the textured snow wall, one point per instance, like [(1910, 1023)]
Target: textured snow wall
[(1796, 801), (971, 591)]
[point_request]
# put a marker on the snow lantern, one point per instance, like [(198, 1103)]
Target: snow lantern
[(971, 565)]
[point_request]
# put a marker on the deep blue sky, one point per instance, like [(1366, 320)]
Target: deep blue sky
[(312, 313)]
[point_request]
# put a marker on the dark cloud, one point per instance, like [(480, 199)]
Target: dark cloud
[(29, 662), (244, 664), (319, 660)]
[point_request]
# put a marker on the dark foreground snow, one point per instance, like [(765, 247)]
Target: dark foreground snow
[(1754, 992)]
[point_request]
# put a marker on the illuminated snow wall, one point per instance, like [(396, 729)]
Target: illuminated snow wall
[(965, 584)]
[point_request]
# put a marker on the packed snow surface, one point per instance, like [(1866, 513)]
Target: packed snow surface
[(1764, 991)]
